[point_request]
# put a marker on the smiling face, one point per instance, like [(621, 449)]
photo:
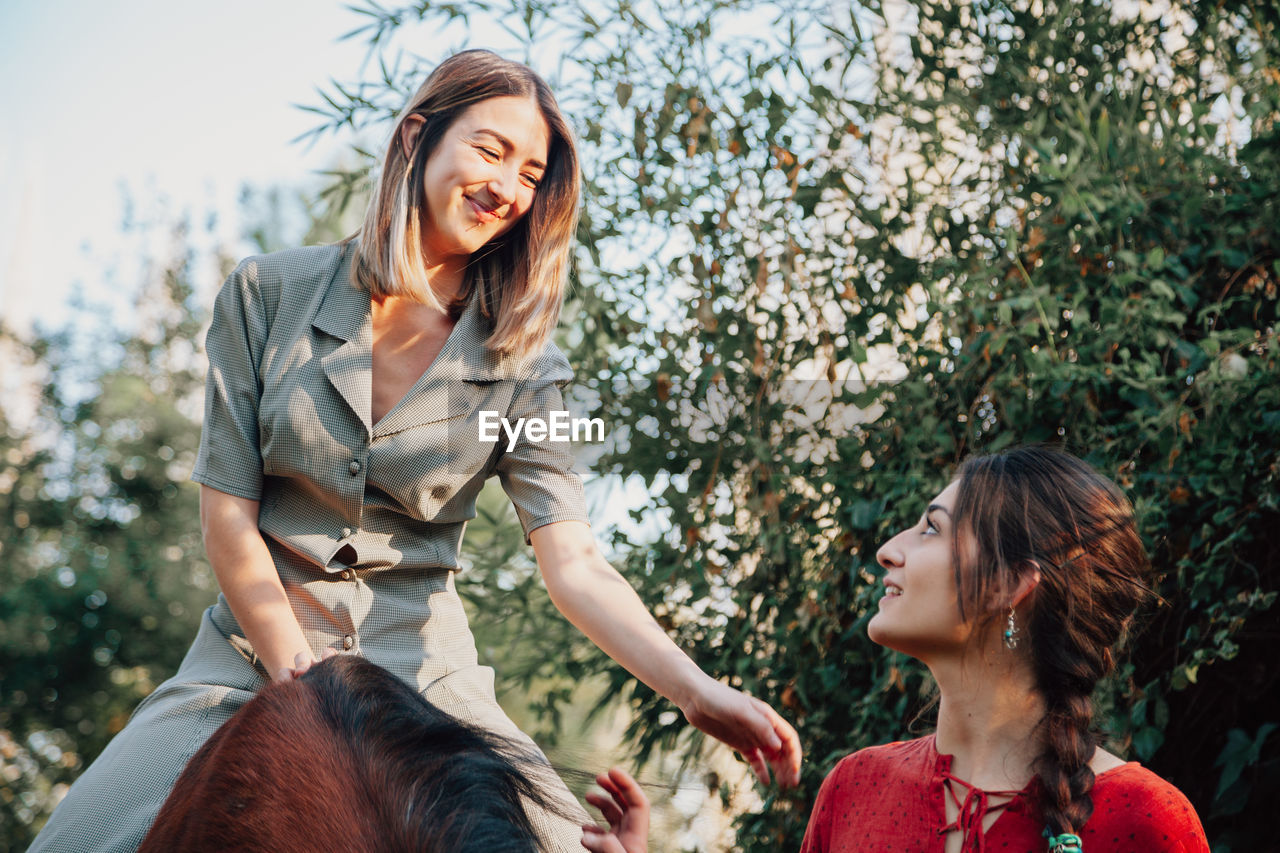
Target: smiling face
[(482, 175), (919, 613)]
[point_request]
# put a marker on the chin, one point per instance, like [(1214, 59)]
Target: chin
[(885, 636), (876, 633), (474, 243)]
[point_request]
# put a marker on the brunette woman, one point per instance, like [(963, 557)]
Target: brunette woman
[(342, 455), (1013, 589)]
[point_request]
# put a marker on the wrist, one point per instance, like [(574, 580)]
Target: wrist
[(691, 686)]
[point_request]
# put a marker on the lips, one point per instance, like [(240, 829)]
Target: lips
[(483, 211), (892, 590)]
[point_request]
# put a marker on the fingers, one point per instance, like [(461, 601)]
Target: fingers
[(626, 808), (626, 798), (599, 840), (785, 757), (758, 765), (301, 663), (764, 725), (608, 809), (628, 794), (625, 790)]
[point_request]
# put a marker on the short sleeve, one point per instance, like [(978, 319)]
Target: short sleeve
[(1134, 809), (829, 803), (538, 476), (229, 459)]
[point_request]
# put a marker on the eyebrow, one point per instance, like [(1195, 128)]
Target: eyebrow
[(938, 507), (506, 143)]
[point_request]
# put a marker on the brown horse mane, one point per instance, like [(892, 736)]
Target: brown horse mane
[(348, 757)]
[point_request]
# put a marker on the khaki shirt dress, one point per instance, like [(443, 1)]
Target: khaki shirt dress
[(364, 520)]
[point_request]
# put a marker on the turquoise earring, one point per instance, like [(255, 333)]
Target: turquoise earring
[(1011, 633)]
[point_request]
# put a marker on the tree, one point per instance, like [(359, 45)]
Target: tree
[(103, 578), (828, 251)]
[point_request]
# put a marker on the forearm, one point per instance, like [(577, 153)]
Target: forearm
[(602, 605), (596, 599), (249, 580)]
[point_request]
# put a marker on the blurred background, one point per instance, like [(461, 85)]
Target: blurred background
[(828, 249)]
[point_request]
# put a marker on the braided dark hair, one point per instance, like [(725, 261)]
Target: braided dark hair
[(1037, 508)]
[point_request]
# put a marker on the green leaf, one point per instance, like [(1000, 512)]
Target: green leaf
[(1146, 741), (1239, 752)]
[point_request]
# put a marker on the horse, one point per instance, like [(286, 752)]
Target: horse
[(349, 757)]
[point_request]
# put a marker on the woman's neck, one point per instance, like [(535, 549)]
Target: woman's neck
[(444, 277), (988, 718)]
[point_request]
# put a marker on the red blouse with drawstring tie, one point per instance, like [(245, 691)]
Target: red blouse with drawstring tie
[(892, 799)]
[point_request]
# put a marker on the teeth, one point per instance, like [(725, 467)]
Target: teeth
[(892, 590)]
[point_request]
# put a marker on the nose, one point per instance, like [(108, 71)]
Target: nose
[(502, 186), (889, 555)]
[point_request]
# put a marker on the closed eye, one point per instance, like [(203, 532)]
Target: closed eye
[(489, 153)]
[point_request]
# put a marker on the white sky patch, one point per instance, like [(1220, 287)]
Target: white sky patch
[(180, 101)]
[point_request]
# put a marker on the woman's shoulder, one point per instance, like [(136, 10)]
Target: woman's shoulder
[(549, 365), (274, 276), (890, 759), (1136, 805), (301, 263), (876, 793), (1135, 784)]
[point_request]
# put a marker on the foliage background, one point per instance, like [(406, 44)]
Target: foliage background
[(843, 246)]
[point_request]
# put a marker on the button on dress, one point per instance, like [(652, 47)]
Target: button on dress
[(363, 520)]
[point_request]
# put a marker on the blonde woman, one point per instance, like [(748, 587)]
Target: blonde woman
[(341, 455)]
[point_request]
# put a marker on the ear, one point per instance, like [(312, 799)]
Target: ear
[(409, 130), (1027, 582)]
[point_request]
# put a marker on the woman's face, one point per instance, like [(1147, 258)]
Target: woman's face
[(919, 614), (481, 178)]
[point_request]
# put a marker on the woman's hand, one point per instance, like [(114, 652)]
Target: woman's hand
[(301, 663), (751, 727), (627, 810), (595, 598)]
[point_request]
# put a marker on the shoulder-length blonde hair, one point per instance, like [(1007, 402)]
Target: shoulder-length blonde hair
[(520, 276)]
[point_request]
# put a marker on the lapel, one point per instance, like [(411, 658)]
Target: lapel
[(456, 381), (344, 315)]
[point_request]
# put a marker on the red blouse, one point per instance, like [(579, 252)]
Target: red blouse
[(890, 799)]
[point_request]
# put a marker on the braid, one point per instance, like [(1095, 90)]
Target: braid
[(1067, 673), (1037, 509)]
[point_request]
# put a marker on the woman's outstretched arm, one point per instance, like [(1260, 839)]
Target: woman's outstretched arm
[(600, 603), (249, 580)]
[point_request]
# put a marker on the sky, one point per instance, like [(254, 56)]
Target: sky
[(178, 104)]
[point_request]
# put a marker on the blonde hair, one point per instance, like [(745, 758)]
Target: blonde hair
[(520, 276)]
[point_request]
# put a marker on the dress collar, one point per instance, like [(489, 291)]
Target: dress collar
[(345, 313), (973, 804)]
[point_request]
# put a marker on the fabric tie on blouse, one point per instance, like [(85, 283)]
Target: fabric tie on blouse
[(973, 809)]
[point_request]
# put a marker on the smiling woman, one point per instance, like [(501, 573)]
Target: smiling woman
[(479, 183), (340, 462), (1038, 544), (481, 144)]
